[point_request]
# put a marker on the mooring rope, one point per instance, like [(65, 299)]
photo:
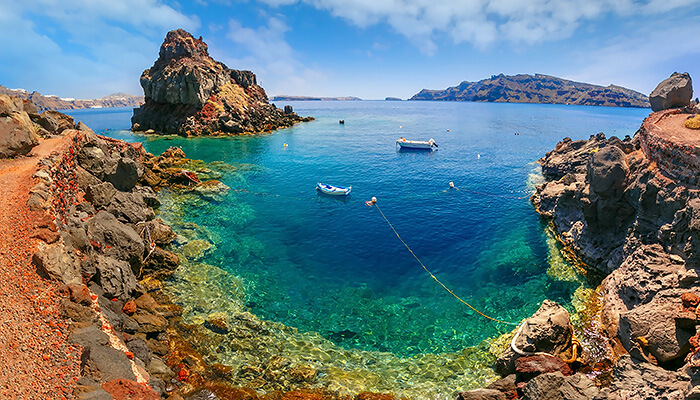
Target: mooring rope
[(431, 274)]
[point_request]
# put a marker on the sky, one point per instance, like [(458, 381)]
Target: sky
[(370, 49)]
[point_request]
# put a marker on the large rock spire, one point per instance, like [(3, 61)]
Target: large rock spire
[(189, 93)]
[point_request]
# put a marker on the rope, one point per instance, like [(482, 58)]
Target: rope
[(151, 244), (433, 276)]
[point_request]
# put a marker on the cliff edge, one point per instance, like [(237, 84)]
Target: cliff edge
[(630, 209), (189, 93)]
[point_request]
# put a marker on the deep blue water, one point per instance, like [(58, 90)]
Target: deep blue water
[(335, 267)]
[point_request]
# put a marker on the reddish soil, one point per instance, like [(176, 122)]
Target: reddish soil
[(671, 127), (36, 361)]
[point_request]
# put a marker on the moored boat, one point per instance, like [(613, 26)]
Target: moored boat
[(416, 144), (333, 190)]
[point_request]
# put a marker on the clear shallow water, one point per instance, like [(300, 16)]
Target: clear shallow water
[(333, 266)]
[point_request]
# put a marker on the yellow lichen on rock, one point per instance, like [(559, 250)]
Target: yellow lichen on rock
[(234, 95), (693, 122)]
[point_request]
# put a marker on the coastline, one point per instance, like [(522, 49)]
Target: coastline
[(168, 310)]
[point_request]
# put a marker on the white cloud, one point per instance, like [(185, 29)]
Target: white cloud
[(83, 48), (642, 58), (274, 61), (483, 22)]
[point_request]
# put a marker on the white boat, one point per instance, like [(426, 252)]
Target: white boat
[(416, 144), (333, 190)]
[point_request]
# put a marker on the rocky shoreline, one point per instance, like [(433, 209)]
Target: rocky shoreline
[(629, 209)]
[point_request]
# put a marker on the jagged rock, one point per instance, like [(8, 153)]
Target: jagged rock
[(116, 239), (85, 179), (55, 263), (100, 194), (147, 315), (607, 171), (674, 92), (548, 330), (148, 195), (639, 278), (158, 368), (128, 389), (116, 278), (655, 322), (77, 313), (555, 386), (78, 293), (189, 93), (130, 208), (506, 385), (104, 363), (634, 379), (481, 394), (95, 161), (161, 264), (17, 135), (126, 174), (9, 105), (161, 233), (529, 367), (55, 122), (140, 349)]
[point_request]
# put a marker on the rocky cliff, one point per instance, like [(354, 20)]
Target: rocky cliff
[(630, 209), (43, 103), (21, 125), (189, 93), (537, 89)]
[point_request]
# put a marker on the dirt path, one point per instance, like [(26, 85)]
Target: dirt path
[(35, 360)]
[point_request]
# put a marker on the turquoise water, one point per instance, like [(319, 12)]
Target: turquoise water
[(333, 266)]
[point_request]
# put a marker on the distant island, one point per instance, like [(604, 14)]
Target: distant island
[(44, 103), (537, 89), (392, 99), (311, 98)]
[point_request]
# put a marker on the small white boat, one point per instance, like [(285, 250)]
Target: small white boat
[(333, 190), (416, 144)]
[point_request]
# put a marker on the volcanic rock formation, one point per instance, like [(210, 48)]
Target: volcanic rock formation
[(21, 125), (189, 93), (630, 209)]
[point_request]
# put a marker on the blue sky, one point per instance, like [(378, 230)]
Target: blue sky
[(365, 48)]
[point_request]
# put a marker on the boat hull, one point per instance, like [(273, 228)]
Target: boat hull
[(416, 144), (333, 190)]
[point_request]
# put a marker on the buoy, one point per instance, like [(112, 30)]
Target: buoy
[(374, 199), (452, 185), (478, 156)]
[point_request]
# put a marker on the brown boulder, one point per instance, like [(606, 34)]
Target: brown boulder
[(673, 92), (529, 367), (17, 135)]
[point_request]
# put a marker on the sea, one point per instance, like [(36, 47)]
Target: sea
[(392, 296)]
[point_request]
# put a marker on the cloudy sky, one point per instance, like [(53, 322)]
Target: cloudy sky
[(365, 48)]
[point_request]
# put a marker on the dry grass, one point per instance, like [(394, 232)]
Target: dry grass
[(693, 122)]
